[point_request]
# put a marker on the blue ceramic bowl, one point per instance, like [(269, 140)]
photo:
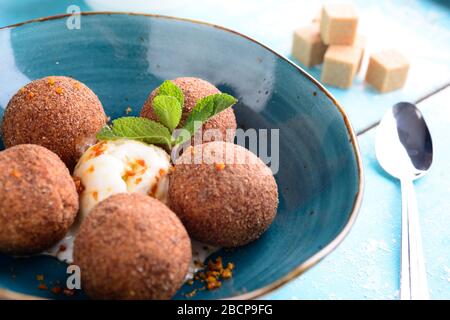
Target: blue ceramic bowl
[(122, 57)]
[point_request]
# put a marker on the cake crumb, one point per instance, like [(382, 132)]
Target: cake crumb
[(42, 286), (78, 185), (191, 294), (68, 292), (56, 290), (16, 173), (220, 166)]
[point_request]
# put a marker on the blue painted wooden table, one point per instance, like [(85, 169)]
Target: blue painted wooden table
[(366, 264)]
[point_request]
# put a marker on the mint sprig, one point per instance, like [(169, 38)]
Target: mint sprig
[(168, 106), (136, 128)]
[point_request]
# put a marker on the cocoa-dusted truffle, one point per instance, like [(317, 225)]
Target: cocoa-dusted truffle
[(224, 194), (38, 199), (132, 246), (195, 89), (59, 113)]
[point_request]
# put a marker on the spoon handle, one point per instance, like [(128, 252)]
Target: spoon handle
[(417, 271), (405, 280)]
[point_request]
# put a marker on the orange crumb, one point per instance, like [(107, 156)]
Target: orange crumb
[(138, 180), (226, 274), (59, 90), (16, 173), (56, 290), (153, 190), (42, 286), (68, 292), (215, 266), (135, 169), (216, 273), (220, 166), (213, 273), (161, 172), (213, 285), (128, 174), (98, 149), (51, 81), (95, 195), (91, 168), (31, 94), (78, 185), (76, 85), (191, 294), (140, 162)]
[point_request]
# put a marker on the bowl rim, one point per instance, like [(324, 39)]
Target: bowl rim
[(318, 256)]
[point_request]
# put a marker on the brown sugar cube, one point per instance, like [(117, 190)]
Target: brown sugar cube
[(360, 42), (307, 46), (387, 70), (339, 23), (340, 66)]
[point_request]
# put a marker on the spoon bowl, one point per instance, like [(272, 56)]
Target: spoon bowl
[(403, 146)]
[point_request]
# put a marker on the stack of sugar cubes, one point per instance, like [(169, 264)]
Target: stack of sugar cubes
[(332, 39)]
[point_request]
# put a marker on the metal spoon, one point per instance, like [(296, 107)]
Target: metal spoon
[(404, 149)]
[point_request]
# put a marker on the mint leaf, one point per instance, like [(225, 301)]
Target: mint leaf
[(168, 110), (222, 101), (202, 111), (136, 128), (207, 108), (168, 88)]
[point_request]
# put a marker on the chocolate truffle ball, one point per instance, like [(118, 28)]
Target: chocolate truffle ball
[(224, 194), (195, 89), (38, 199), (59, 113), (132, 246)]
